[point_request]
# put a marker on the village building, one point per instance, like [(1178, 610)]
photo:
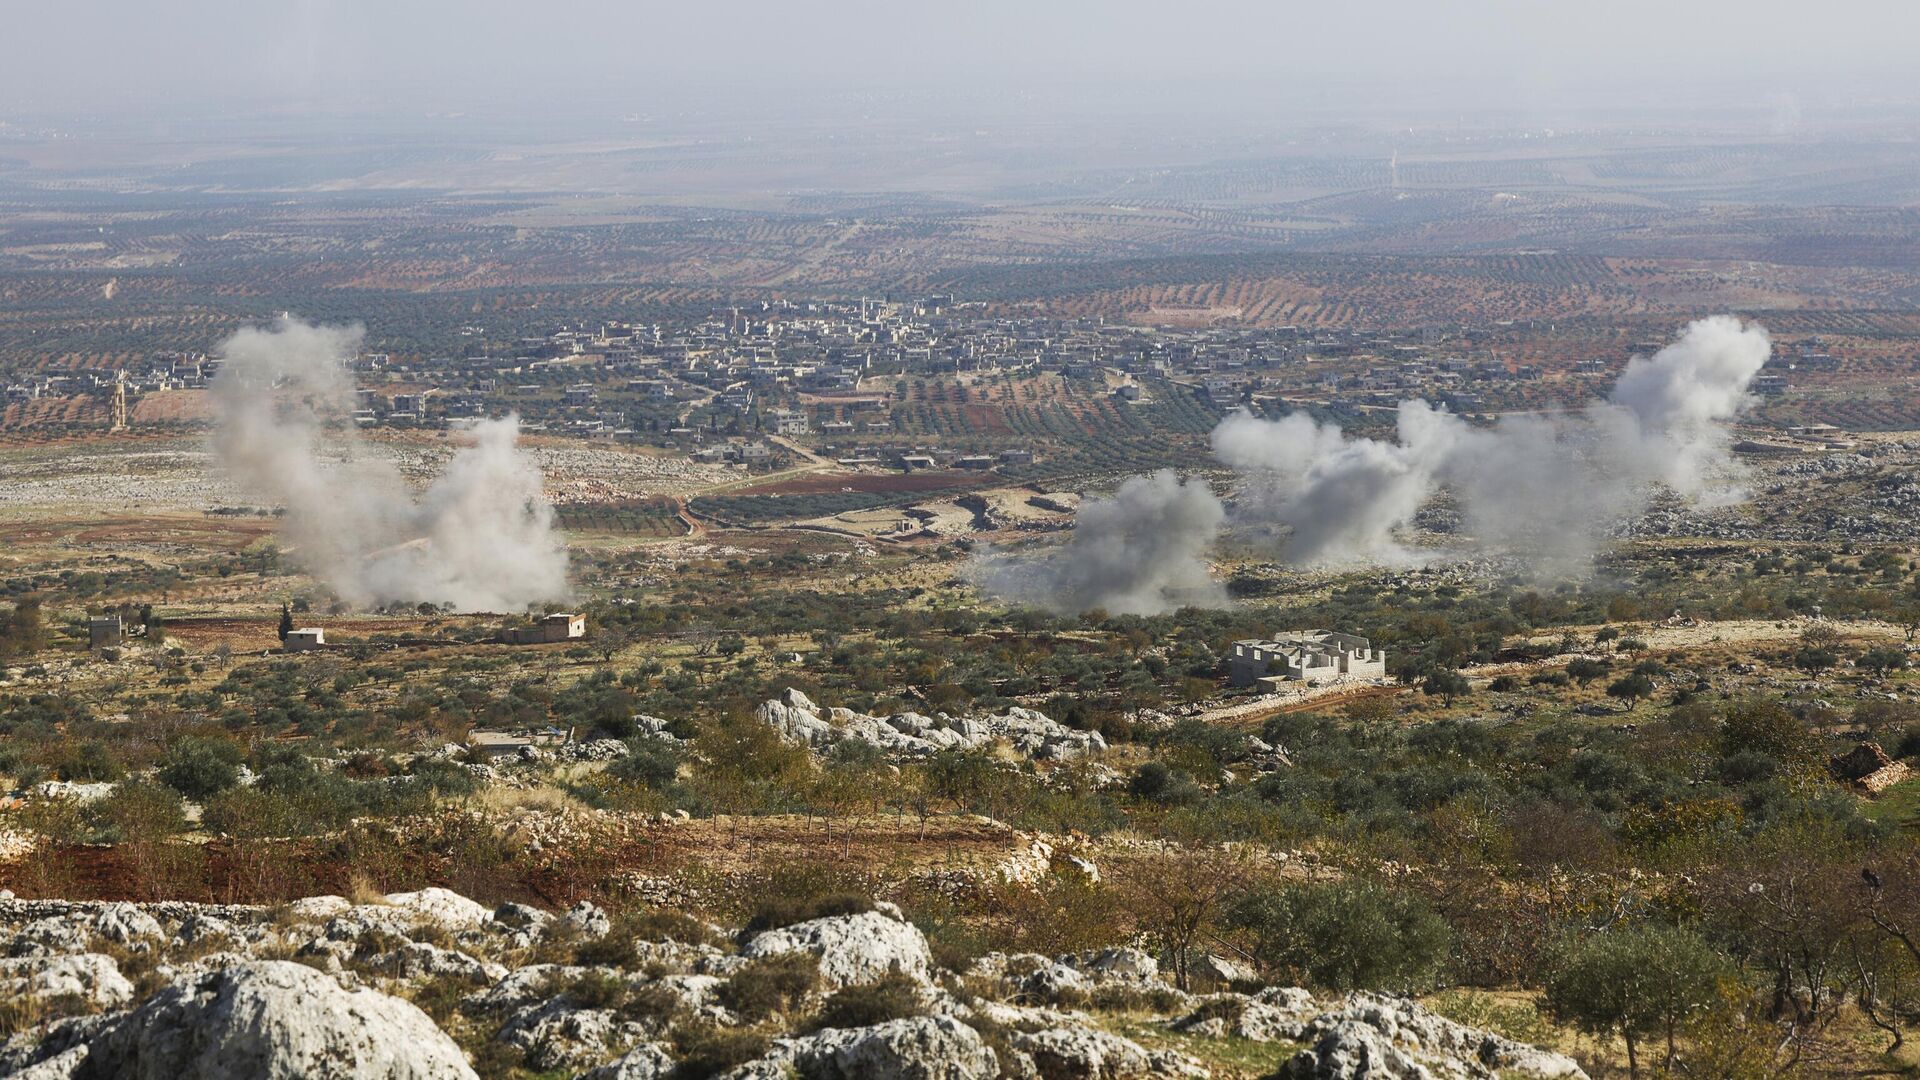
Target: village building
[(552, 628), (105, 631), (1309, 656)]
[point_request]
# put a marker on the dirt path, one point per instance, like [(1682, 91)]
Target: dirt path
[(1250, 713)]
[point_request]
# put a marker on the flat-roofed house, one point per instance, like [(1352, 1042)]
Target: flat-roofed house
[(550, 629), (1309, 656), (105, 631)]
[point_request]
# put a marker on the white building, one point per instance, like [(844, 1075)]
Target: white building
[(306, 639), (1309, 656)]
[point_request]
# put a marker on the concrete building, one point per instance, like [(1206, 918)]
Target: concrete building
[(494, 744), (105, 631), (1309, 656), (553, 628), (306, 639), (784, 422)]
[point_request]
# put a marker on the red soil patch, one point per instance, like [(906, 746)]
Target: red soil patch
[(173, 406)]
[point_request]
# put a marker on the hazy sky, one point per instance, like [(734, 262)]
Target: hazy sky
[(492, 56)]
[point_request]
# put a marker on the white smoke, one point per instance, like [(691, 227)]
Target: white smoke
[(1141, 552), (479, 538), (1544, 487), (1342, 498)]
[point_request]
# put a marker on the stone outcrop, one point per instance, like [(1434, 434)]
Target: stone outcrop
[(263, 1020), (225, 1011), (1085, 1053), (852, 949), (88, 978), (1374, 1036), (916, 1048), (1273, 1015), (911, 734)]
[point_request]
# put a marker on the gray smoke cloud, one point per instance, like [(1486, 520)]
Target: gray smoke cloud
[(480, 537), (1543, 487), (1141, 551)]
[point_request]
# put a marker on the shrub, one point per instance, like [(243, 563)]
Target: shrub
[(654, 763), (201, 768), (616, 947), (706, 1050), (139, 810), (894, 997), (1344, 935), (770, 984), (778, 911), (1155, 782)]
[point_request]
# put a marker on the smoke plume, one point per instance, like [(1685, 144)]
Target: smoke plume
[(1542, 487), (1546, 488), (479, 538), (1140, 552)]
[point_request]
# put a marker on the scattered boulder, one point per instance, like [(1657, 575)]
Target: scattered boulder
[(421, 960), (1351, 1050), (318, 908), (587, 920), (557, 1035), (1122, 963), (440, 907), (1374, 1035), (853, 949), (1273, 1016), (1083, 1053), (86, 977), (911, 734), (916, 1048), (267, 1020), (644, 1062)]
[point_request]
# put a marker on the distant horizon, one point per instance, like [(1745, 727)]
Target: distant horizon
[(595, 61)]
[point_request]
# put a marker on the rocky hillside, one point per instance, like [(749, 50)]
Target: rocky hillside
[(431, 985)]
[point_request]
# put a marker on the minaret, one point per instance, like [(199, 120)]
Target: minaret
[(119, 401)]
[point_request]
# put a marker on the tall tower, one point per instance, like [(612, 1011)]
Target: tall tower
[(120, 401)]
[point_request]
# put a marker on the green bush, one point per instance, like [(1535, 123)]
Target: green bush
[(201, 768), (1344, 935), (652, 762)]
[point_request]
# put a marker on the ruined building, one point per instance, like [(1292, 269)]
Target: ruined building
[(1309, 656)]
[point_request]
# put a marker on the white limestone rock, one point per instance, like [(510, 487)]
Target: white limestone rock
[(915, 1048), (441, 907), (644, 1062), (1086, 1053), (852, 949), (263, 1020), (88, 977), (1372, 1034)]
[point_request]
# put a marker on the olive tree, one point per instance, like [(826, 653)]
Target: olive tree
[(1633, 981)]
